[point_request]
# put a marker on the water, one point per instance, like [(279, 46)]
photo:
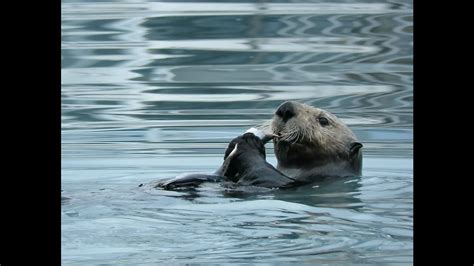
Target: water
[(154, 89)]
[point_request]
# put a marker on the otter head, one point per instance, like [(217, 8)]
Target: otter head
[(311, 138)]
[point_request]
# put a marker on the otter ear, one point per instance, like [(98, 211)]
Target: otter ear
[(354, 148)]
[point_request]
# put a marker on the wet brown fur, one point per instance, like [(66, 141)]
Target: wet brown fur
[(304, 147)]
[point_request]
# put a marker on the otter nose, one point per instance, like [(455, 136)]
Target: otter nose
[(286, 111)]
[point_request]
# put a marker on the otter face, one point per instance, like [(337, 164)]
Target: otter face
[(309, 137)]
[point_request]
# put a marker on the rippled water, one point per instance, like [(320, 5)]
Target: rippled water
[(154, 89)]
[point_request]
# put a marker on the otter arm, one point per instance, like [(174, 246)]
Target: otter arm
[(265, 175), (189, 180), (194, 180)]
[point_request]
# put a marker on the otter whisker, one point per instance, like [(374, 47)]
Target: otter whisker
[(288, 135), (295, 135), (298, 135), (265, 126)]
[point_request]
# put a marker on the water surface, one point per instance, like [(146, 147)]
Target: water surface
[(154, 89)]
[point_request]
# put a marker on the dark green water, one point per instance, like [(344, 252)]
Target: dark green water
[(154, 89)]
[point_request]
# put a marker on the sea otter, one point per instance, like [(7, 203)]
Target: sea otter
[(310, 144)]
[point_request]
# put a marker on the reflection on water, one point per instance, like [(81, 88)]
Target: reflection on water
[(153, 89)]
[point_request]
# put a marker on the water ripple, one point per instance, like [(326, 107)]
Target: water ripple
[(153, 89)]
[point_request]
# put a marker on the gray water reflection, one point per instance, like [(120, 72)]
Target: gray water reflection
[(153, 89)]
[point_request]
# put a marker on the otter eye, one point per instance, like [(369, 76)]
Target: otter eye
[(323, 121)]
